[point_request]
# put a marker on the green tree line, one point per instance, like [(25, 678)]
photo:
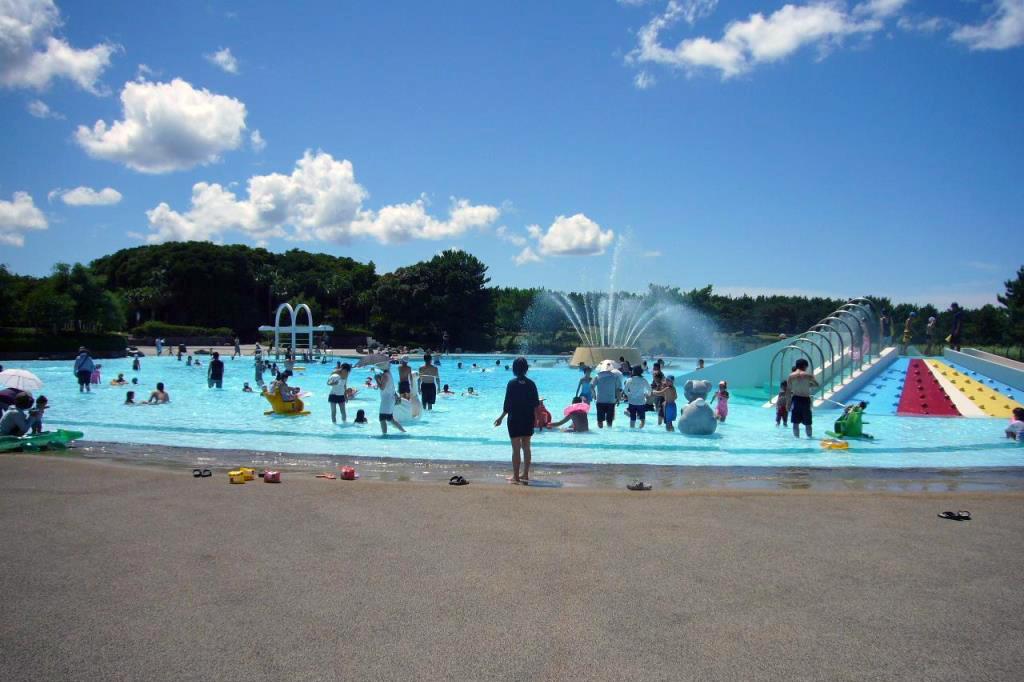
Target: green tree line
[(236, 288)]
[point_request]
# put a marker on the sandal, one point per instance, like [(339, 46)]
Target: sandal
[(954, 516), (963, 515), (457, 480), (329, 477), (196, 473), (206, 473), (639, 485)]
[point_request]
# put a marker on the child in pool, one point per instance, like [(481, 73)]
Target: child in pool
[(135, 380), (580, 420), (35, 415), (782, 406), (246, 388), (360, 416), (722, 408), (1015, 430), (669, 394), (189, 361), (130, 398), (447, 390), (470, 393), (95, 377), (119, 381)]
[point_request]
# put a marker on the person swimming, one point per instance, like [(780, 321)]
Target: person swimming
[(159, 396), (119, 381), (129, 399), (360, 416), (246, 388), (447, 390), (470, 393)]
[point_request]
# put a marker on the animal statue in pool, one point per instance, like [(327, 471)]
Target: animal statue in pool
[(697, 418)]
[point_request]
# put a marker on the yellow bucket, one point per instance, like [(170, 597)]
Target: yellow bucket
[(248, 473), (236, 476)]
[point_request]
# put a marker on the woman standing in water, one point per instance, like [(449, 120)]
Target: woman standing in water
[(521, 399)]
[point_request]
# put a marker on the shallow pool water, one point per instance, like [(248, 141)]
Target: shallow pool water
[(461, 428)]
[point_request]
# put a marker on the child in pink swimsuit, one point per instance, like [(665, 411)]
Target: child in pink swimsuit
[(722, 406)]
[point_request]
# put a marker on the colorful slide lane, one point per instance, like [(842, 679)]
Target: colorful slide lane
[(883, 393), (922, 395), (997, 386), (991, 402)]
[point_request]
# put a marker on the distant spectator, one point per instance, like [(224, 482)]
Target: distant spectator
[(958, 326), (930, 330), (238, 348), (215, 372), (84, 367)]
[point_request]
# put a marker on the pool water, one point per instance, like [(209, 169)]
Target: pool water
[(461, 428)]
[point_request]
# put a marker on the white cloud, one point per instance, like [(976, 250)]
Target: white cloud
[(1003, 30), (576, 235), (924, 25), (19, 216), (880, 9), (759, 39), (31, 56), (505, 235), (257, 142), (86, 196), (527, 255), (167, 127), (654, 253), (41, 109), (224, 59), (319, 200), (644, 80)]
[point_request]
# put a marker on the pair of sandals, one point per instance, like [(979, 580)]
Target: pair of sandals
[(457, 480), (638, 486), (961, 515), (201, 473)]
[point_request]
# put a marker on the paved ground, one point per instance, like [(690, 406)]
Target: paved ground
[(134, 572)]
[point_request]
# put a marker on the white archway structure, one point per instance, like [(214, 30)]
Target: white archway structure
[(293, 327)]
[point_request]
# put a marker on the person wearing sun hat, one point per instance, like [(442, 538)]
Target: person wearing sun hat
[(84, 367)]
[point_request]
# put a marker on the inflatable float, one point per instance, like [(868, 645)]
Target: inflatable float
[(57, 440), (290, 408)]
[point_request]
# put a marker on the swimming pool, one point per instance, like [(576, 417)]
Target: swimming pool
[(461, 428)]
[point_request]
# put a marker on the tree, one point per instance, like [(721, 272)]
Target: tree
[(1013, 301)]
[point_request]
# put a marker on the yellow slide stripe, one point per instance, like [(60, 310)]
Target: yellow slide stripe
[(993, 403)]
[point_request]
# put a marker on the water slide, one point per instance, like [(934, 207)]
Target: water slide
[(883, 392), (923, 396), (991, 402)]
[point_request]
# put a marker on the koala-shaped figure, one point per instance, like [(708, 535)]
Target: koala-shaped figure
[(697, 417)]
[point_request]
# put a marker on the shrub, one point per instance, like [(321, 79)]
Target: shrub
[(152, 328)]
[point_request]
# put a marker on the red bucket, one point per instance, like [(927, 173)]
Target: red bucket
[(271, 476), (348, 474)]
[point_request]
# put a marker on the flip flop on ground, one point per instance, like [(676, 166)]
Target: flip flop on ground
[(639, 485), (457, 480)]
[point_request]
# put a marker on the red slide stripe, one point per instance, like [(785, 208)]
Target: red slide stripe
[(923, 395)]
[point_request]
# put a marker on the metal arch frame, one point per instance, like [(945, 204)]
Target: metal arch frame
[(802, 338), (853, 338), (832, 357), (852, 309), (842, 348), (781, 352), (863, 300)]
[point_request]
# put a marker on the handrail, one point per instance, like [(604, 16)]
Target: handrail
[(842, 348), (832, 356), (771, 371)]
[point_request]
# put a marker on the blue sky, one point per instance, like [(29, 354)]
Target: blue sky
[(813, 147)]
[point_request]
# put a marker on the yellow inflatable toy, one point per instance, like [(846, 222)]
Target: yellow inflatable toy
[(833, 444), (290, 408)]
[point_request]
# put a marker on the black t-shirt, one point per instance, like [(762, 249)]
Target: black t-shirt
[(958, 320), (521, 399), (216, 369)]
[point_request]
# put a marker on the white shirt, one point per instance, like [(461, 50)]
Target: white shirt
[(339, 386), (637, 390), (1017, 429), (387, 396)]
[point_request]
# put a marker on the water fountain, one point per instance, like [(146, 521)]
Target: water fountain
[(614, 324)]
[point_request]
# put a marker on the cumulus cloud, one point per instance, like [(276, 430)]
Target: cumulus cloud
[(223, 59), (19, 216), (31, 56), (167, 127), (86, 196), (257, 142), (506, 235), (576, 235), (759, 39), (41, 109), (1002, 31), (319, 200)]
